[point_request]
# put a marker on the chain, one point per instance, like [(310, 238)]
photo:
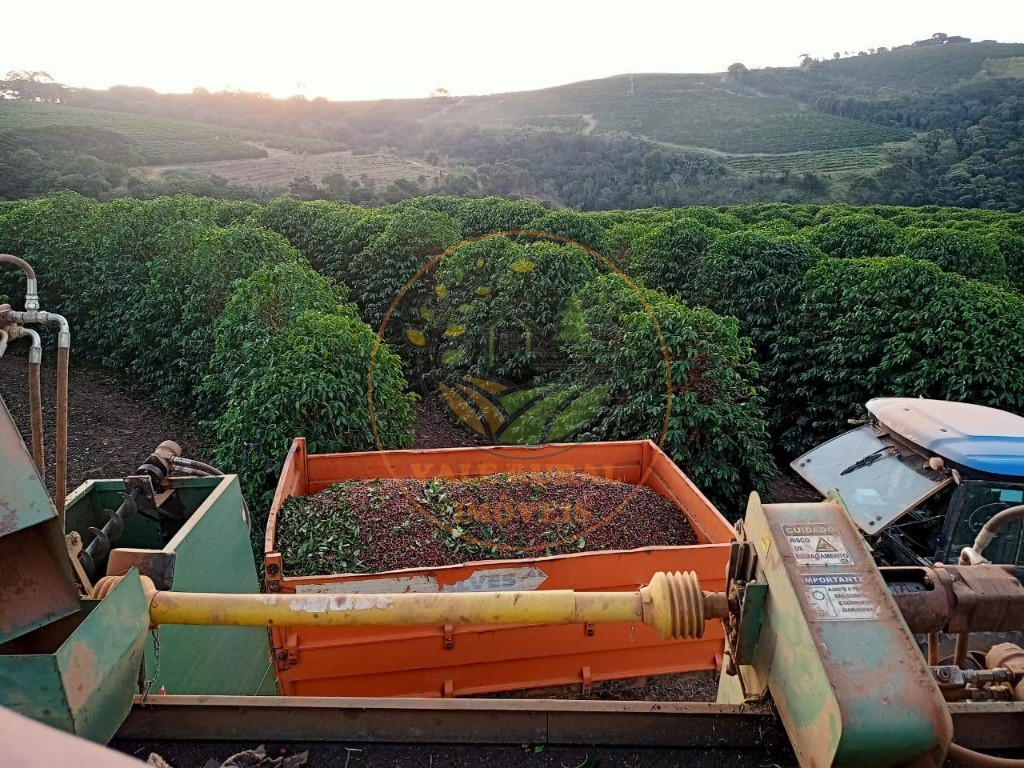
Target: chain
[(155, 634)]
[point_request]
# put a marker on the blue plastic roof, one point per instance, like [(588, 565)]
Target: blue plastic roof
[(974, 436)]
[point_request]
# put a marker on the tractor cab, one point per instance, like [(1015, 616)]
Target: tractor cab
[(921, 477)]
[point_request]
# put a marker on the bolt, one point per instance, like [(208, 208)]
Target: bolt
[(273, 569), (281, 655)]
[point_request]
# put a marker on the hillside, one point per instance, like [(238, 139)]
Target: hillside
[(899, 126), (156, 140), (711, 112)]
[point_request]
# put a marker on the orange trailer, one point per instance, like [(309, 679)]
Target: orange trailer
[(459, 661)]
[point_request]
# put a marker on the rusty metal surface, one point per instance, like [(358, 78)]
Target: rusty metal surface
[(922, 600), (985, 598), (158, 565), (35, 574), (452, 721), (988, 725)]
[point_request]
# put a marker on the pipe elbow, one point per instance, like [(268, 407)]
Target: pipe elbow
[(31, 284), (35, 352)]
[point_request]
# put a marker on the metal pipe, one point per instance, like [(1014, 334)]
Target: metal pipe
[(933, 649), (61, 481), (3, 342), (35, 399), (960, 651), (672, 604), (63, 354), (31, 287)]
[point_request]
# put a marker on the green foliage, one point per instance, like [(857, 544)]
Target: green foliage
[(755, 277), (665, 257), (484, 216), (692, 110), (312, 379), (1011, 247), (410, 239), (858, 235), (716, 427), (155, 140), (328, 234), (893, 327), (960, 252), (198, 306), (572, 225), (507, 301)]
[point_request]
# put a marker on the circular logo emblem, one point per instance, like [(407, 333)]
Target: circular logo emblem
[(484, 326)]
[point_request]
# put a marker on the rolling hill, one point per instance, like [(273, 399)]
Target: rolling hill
[(864, 128), (691, 111)]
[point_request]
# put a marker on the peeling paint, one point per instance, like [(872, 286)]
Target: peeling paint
[(361, 602)]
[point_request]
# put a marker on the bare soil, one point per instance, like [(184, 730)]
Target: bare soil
[(358, 755), (111, 431), (280, 167), (435, 430)]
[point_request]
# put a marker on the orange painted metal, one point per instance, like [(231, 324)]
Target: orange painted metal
[(460, 661)]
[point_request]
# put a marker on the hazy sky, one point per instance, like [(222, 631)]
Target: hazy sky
[(356, 50)]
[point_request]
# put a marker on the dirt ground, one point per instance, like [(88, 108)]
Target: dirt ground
[(199, 755), (280, 167), (110, 430)]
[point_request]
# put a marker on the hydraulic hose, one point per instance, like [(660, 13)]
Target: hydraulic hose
[(3, 342), (202, 466), (180, 470), (974, 759), (975, 553)]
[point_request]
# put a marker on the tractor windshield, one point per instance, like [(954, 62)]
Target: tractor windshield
[(979, 501), (876, 479)]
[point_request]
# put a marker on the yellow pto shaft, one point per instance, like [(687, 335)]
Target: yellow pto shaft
[(672, 604)]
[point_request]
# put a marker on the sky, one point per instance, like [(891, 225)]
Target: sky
[(381, 49)]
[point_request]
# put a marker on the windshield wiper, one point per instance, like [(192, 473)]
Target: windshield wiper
[(868, 460)]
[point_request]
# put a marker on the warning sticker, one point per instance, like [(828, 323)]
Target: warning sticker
[(817, 544), (839, 597)]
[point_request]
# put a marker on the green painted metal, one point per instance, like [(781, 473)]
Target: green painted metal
[(85, 508), (81, 673), (212, 553), (24, 501), (851, 689), (751, 617), (37, 585)]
